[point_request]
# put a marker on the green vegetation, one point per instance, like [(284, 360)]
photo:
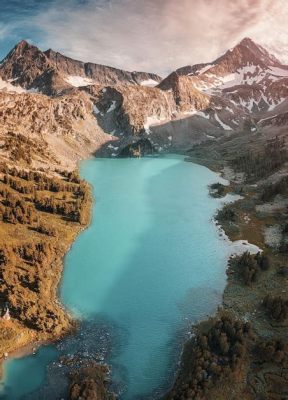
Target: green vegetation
[(227, 214), (276, 307), (23, 149), (217, 190), (260, 163), (218, 353), (41, 188), (250, 266), (270, 191), (272, 351), (256, 288), (89, 382)]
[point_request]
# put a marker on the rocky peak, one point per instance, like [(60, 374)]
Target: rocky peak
[(246, 53), (255, 52), (22, 45), (24, 64), (187, 97)]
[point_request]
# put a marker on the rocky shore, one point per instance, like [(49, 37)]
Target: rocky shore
[(242, 351)]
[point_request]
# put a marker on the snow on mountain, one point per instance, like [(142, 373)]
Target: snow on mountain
[(53, 73), (78, 81), (245, 75), (7, 86), (149, 83), (244, 87)]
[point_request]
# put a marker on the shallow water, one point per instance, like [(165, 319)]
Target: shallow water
[(150, 264)]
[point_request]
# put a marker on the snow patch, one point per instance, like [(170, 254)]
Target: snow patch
[(152, 120), (149, 83), (8, 87), (203, 115), (204, 69), (110, 146), (96, 109), (279, 71), (224, 126), (112, 107), (78, 81), (33, 90)]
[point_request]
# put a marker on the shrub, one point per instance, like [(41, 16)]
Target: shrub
[(217, 353), (276, 307), (250, 266)]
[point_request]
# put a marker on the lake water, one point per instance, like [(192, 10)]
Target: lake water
[(150, 264)]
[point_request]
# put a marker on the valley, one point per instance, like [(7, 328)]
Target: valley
[(229, 115)]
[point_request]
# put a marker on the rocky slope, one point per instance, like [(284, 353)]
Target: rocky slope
[(64, 127), (243, 90)]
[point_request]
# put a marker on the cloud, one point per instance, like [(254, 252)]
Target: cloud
[(159, 35), (271, 30)]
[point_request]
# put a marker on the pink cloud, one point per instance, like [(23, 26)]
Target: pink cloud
[(161, 35)]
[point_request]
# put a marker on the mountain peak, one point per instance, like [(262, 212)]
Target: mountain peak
[(247, 42), (23, 45), (24, 63), (256, 52)]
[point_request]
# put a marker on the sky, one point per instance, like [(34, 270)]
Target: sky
[(147, 35)]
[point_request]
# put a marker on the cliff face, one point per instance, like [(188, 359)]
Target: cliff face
[(247, 75), (186, 96), (125, 110), (24, 64)]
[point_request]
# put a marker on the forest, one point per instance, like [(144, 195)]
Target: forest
[(40, 213), (23, 192)]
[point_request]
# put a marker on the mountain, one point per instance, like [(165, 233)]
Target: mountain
[(247, 75), (50, 72), (244, 90)]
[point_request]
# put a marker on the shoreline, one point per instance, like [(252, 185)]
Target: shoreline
[(234, 303), (239, 245), (68, 323), (28, 349)]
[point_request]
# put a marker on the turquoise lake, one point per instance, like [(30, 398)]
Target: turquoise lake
[(150, 264)]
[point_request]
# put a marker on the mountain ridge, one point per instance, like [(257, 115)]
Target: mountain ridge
[(207, 101), (29, 67)]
